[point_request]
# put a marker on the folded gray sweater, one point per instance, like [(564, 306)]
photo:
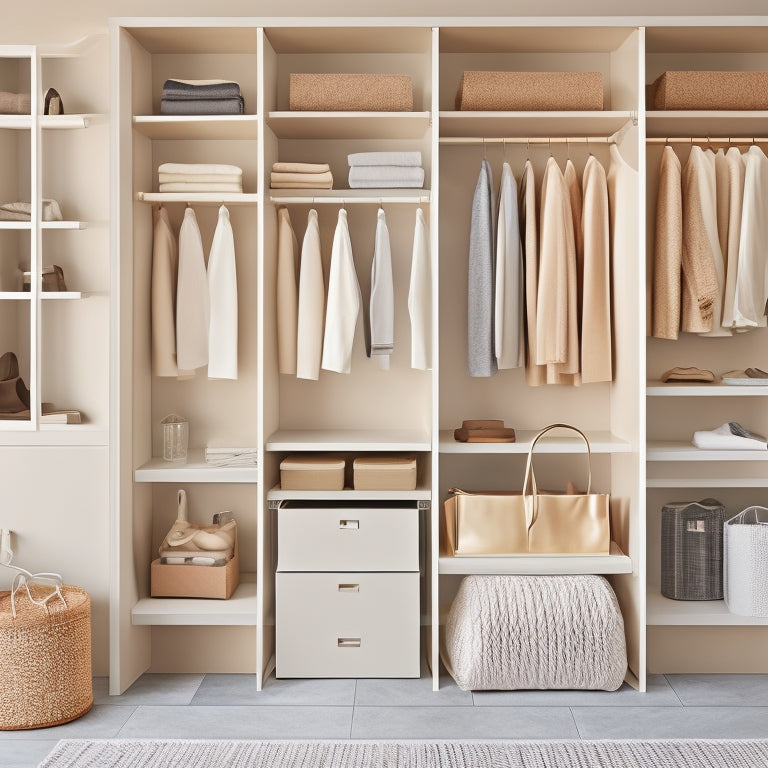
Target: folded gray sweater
[(181, 90), (202, 106)]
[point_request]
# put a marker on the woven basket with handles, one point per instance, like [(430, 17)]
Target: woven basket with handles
[(45, 659)]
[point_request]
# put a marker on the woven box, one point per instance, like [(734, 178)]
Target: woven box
[(711, 90), (312, 473), (692, 550), (45, 659), (530, 91), (214, 581), (384, 473), (745, 539), (351, 93)]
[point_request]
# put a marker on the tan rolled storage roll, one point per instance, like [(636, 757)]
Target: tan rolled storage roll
[(312, 473), (711, 90), (384, 473), (349, 92), (530, 91), (45, 659)]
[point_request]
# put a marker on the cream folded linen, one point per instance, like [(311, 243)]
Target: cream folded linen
[(300, 167), (302, 184), (199, 186), (729, 437), (15, 103), (216, 178), (23, 211), (384, 158), (302, 178), (386, 173), (198, 168)]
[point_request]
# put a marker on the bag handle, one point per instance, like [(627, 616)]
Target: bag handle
[(530, 500)]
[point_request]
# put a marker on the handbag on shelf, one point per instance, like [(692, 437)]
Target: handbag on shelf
[(530, 521)]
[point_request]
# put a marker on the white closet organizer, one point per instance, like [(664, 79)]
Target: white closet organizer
[(675, 469)]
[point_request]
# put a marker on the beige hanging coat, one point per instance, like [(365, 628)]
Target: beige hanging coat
[(165, 269), (287, 293), (735, 187)]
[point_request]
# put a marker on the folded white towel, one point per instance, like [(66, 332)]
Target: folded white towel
[(200, 186), (729, 437), (198, 168), (401, 175), (384, 158), (300, 167), (217, 178)]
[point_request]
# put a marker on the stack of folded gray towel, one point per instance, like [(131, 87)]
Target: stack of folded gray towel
[(201, 97), (199, 177), (371, 170)]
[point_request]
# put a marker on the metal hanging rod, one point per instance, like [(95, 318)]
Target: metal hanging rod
[(706, 140), (344, 201), (529, 140)]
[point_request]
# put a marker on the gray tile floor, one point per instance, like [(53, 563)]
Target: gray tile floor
[(228, 706)]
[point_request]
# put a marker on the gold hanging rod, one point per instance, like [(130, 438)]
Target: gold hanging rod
[(706, 140), (529, 140)]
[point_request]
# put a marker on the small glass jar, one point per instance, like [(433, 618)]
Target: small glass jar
[(175, 437)]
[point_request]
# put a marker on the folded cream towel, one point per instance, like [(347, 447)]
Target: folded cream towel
[(314, 178), (729, 437), (218, 178), (325, 184), (15, 103), (300, 167), (23, 211), (198, 168), (384, 158), (199, 186), (388, 173)]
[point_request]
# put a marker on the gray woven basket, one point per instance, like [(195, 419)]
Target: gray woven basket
[(692, 550)]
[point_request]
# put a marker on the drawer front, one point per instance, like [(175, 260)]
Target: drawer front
[(348, 539), (347, 625)]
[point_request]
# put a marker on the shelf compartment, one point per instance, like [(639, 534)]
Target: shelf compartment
[(181, 127), (349, 196), (661, 389), (669, 450), (661, 611), (615, 562), (422, 493), (348, 440), (521, 124), (706, 123), (240, 610), (349, 125), (212, 198), (65, 122), (195, 470), (599, 442)]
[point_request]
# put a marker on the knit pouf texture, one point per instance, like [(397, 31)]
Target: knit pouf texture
[(45, 659), (546, 632)]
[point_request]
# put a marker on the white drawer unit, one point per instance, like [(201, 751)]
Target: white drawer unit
[(333, 537), (347, 624)]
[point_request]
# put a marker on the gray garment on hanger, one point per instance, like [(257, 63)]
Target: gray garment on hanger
[(382, 304), (481, 358)]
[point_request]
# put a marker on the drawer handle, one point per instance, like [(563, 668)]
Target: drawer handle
[(349, 587), (348, 642), (349, 524)]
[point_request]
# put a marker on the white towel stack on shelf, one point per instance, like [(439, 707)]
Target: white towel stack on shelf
[(385, 170), (199, 177)]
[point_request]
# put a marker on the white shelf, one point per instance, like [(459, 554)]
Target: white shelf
[(534, 124), (667, 450), (348, 494), (213, 198), (663, 611), (15, 225), (701, 123), (616, 562), (599, 442), (240, 610), (348, 440), (64, 225), (64, 122), (198, 126), (52, 434), (15, 295), (195, 470), (347, 196), (660, 389), (62, 295), (706, 482), (16, 122), (349, 125)]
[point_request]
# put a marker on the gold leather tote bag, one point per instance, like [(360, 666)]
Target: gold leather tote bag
[(529, 521)]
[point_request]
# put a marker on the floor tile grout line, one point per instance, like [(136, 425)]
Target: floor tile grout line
[(575, 724), (677, 695), (128, 720)]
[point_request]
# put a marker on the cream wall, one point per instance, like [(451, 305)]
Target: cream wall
[(54, 21)]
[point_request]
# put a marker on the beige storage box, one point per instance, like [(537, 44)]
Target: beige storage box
[(312, 473), (530, 91), (710, 90), (384, 473), (215, 581), (319, 92)]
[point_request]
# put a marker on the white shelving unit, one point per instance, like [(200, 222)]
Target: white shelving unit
[(183, 127), (663, 611), (348, 440), (203, 198), (659, 389), (348, 494), (669, 450), (349, 125), (599, 442), (538, 125), (194, 470)]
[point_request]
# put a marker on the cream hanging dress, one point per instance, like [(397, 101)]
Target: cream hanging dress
[(382, 303), (420, 297), (287, 293), (165, 269), (192, 302), (222, 289), (509, 321), (735, 188), (344, 302), (309, 334)]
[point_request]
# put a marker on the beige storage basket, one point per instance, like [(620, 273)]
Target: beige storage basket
[(384, 473), (353, 93), (45, 659), (710, 90), (316, 472), (530, 91)]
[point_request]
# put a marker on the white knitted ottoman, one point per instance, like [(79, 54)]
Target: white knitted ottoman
[(509, 632)]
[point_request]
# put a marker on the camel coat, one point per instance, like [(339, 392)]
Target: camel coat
[(287, 293)]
